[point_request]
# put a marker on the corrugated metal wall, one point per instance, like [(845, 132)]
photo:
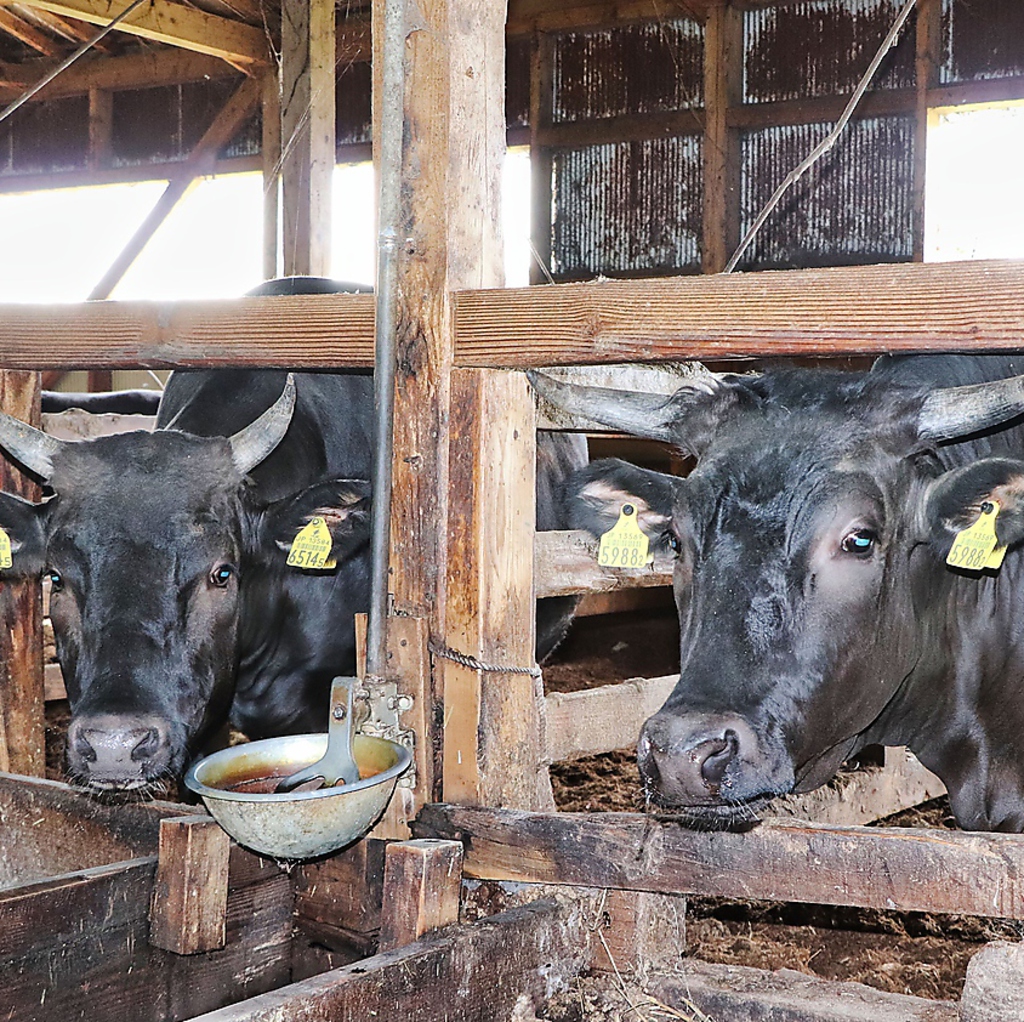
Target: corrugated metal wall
[(983, 39)]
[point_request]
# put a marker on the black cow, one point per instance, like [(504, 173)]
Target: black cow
[(818, 614), (172, 605)]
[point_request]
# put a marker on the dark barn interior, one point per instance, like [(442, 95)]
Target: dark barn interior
[(514, 873)]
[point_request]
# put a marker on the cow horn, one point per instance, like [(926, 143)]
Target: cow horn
[(31, 446), (251, 445), (643, 415), (959, 411)]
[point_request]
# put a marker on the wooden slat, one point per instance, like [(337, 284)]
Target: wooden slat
[(172, 23), (422, 882), (969, 306), (887, 868), (742, 994), (566, 563), (601, 719), (293, 331), (474, 973), (28, 34)]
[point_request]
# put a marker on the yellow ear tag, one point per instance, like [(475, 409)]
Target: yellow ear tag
[(625, 544), (6, 561), (311, 548), (976, 547)]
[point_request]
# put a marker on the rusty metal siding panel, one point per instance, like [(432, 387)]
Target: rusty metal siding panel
[(46, 136), (821, 48), (517, 83), (982, 39), (627, 208), (636, 69), (854, 206)]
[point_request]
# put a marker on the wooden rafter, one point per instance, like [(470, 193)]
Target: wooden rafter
[(174, 24), (31, 36), (71, 29)]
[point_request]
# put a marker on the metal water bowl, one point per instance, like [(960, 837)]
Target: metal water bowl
[(296, 824)]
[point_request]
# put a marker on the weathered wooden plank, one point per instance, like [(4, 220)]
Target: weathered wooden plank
[(566, 563), (906, 870), (994, 985), (474, 973), (190, 896), (173, 23), (21, 612), (970, 306), (742, 994), (492, 725), (422, 881), (601, 719), (297, 331), (345, 890)]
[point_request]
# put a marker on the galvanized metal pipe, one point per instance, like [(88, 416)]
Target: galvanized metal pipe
[(392, 115)]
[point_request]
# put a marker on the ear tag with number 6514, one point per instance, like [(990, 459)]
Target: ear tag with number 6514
[(976, 547), (311, 548), (6, 560), (624, 545)]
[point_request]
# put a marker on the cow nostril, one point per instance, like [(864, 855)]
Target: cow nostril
[(83, 748), (714, 756), (147, 746)]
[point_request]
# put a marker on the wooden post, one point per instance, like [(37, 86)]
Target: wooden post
[(21, 613), (101, 124), (422, 881), (929, 56), (307, 119), (190, 896), (541, 101), (994, 986), (454, 141), (271, 153), (492, 749), (723, 89)]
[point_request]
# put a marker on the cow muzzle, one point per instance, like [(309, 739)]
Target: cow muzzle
[(119, 752), (713, 770)]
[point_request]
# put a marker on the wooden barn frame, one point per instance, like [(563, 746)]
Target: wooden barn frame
[(466, 567)]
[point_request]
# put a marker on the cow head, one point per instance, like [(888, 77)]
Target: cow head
[(808, 542), (147, 539)]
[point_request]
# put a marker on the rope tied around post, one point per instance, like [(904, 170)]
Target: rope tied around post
[(465, 660)]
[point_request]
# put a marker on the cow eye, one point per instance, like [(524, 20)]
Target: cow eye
[(221, 575), (673, 541), (859, 542), (56, 581)]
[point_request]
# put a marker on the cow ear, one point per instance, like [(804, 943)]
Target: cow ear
[(954, 500), (595, 495), (343, 504), (25, 526)]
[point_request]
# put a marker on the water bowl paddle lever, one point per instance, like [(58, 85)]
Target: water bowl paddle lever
[(337, 763)]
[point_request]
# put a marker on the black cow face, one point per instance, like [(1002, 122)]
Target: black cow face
[(809, 544)]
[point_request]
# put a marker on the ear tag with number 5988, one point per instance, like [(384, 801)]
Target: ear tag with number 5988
[(624, 545), (976, 547)]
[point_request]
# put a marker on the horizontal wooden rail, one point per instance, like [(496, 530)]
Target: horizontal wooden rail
[(566, 563), (885, 868), (969, 306), (601, 719)]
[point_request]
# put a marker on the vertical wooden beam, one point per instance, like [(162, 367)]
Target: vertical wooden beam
[(21, 613), (101, 125), (928, 60), (307, 119), (450, 237), (422, 881), (541, 106), (271, 153), (492, 738), (188, 913), (723, 89)]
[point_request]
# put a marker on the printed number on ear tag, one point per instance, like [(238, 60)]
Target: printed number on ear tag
[(624, 545), (6, 560), (311, 548), (976, 547)]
